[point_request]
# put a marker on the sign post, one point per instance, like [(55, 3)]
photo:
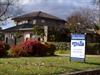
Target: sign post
[(78, 47)]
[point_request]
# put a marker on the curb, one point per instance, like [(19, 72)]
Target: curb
[(86, 72)]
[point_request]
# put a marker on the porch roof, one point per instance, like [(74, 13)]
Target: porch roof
[(20, 27)]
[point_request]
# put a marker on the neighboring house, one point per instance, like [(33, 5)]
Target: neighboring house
[(92, 37), (92, 34), (25, 23)]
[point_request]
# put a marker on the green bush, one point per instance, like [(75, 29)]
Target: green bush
[(93, 48), (1, 36), (61, 45), (51, 48), (63, 52)]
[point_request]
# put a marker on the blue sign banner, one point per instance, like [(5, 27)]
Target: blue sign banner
[(80, 43), (78, 36)]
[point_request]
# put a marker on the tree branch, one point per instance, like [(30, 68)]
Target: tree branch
[(3, 13)]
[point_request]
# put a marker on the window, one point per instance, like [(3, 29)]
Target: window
[(22, 22), (34, 21), (42, 21)]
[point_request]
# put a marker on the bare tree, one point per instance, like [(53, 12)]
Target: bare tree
[(97, 2), (4, 5), (83, 20)]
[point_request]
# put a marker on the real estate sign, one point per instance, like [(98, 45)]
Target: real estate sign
[(78, 47)]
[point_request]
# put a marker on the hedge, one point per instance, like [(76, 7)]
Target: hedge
[(61, 45), (93, 48)]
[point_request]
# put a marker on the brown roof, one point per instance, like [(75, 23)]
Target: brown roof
[(37, 14)]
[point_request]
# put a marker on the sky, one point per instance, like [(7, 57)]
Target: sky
[(59, 8)]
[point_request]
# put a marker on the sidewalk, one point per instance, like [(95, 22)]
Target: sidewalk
[(68, 55)]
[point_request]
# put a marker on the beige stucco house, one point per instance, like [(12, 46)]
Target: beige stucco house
[(25, 24)]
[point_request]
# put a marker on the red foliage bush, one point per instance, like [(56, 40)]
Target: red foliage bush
[(3, 48), (30, 48)]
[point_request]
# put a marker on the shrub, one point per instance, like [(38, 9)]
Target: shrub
[(62, 52), (3, 48), (93, 48), (1, 36), (31, 48), (17, 51), (50, 48), (61, 45)]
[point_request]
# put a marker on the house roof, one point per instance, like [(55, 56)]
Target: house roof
[(37, 14), (20, 27)]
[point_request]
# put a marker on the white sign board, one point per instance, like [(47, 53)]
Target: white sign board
[(78, 47)]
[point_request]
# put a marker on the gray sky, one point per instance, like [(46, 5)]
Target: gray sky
[(59, 8)]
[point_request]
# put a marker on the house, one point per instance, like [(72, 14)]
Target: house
[(25, 24), (92, 33)]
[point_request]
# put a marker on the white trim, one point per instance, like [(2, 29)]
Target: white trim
[(26, 29)]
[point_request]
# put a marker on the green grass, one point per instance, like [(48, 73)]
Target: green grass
[(62, 52), (44, 65)]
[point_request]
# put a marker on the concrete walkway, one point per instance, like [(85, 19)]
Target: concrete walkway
[(68, 55)]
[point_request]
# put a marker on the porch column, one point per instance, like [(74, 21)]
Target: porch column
[(45, 33), (6, 37), (26, 36)]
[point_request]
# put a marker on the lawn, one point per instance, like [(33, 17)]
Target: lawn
[(54, 65)]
